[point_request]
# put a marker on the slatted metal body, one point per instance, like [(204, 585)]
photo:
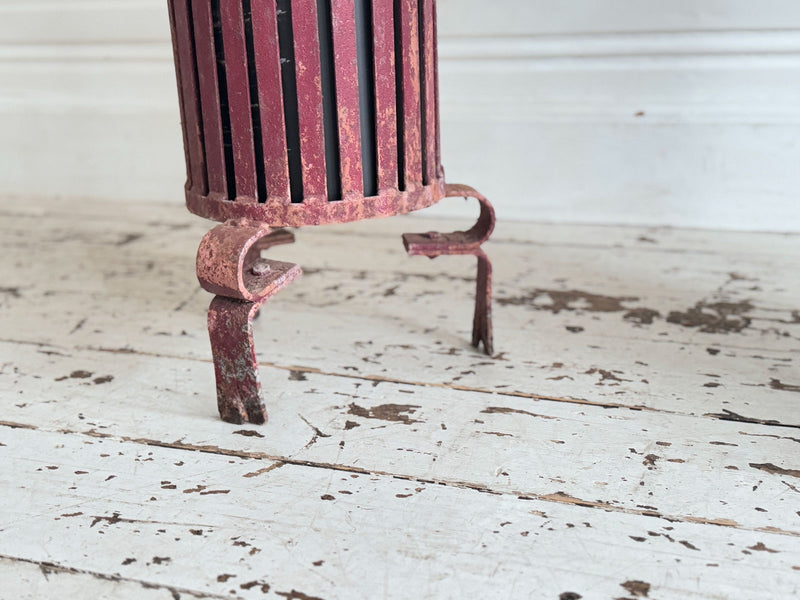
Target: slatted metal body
[(301, 112)]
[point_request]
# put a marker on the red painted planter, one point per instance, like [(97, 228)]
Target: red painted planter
[(305, 112), (276, 134)]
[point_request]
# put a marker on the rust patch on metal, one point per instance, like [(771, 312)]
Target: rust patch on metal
[(714, 317), (229, 264), (244, 97), (386, 412), (434, 244)]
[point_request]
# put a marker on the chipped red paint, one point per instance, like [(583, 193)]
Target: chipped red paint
[(298, 214), (229, 265), (430, 134), (309, 99), (435, 244), (209, 96), (237, 132), (385, 93), (198, 60), (189, 95), (440, 172), (346, 65), (273, 125), (233, 35), (411, 93)]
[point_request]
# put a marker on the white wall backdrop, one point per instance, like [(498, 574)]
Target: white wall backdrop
[(681, 112)]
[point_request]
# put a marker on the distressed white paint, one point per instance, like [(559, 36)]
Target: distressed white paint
[(34, 580), (385, 458), (395, 315), (620, 460), (205, 522), (612, 111)]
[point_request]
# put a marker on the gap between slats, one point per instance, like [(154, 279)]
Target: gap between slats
[(221, 69), (189, 90), (289, 85), (357, 100), (269, 112), (308, 76), (241, 157)]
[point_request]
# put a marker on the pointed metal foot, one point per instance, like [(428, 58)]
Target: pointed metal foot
[(230, 327), (482, 322), (229, 265), (433, 244)]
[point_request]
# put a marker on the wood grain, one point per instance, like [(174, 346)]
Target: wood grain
[(207, 523), (604, 449)]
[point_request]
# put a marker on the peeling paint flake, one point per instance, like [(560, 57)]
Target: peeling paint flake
[(386, 412)]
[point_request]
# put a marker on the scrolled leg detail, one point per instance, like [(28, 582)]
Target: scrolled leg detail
[(433, 244), (229, 264)]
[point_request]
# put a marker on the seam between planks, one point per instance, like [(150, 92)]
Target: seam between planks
[(557, 497), (48, 567), (725, 416), (498, 240)]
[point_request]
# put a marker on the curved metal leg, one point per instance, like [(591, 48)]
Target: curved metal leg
[(229, 264), (230, 327), (482, 322), (433, 244)]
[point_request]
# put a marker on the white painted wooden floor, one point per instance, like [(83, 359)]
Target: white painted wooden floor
[(636, 436)]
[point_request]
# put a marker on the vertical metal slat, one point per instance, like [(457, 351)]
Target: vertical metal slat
[(239, 100), (270, 98), (385, 93), (189, 94), (428, 92), (438, 131), (345, 53), (309, 96), (209, 95), (175, 54), (412, 125)]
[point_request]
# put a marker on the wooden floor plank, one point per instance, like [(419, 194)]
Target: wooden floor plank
[(671, 466), (147, 218), (569, 325), (204, 522), (638, 426), (38, 579)]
